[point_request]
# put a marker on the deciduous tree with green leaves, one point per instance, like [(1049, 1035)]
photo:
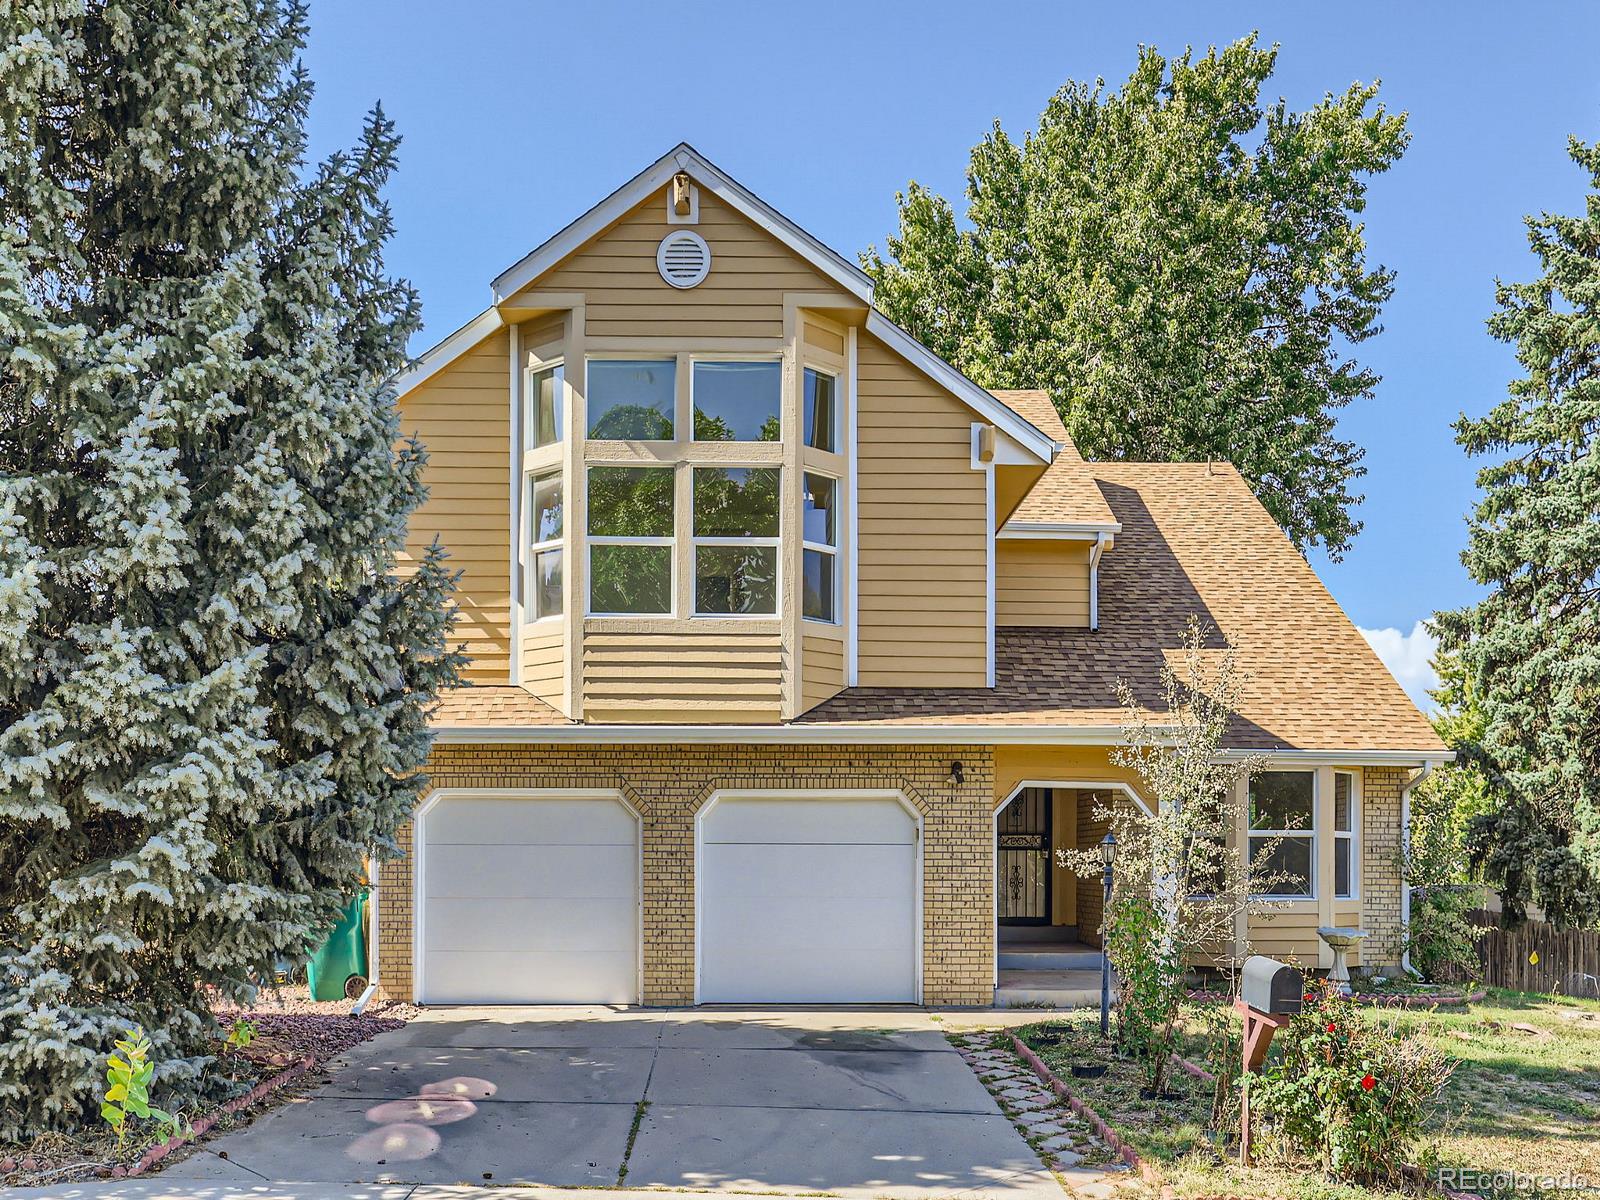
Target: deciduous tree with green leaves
[(213, 677), (1182, 268), (1531, 646)]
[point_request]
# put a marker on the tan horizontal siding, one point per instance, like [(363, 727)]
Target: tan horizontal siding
[(922, 550), (821, 669), (1287, 933), (823, 338), (461, 416), (667, 677), (625, 295), (1041, 582), (544, 660)]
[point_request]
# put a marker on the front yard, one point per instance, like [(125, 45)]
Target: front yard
[(1524, 1097)]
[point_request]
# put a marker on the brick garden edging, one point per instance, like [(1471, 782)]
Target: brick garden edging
[(1375, 1001), (254, 1096), (1096, 1122)]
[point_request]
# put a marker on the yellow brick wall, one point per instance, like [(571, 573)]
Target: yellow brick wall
[(669, 784), (1380, 867)]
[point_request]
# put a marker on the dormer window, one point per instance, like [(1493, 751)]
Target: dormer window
[(736, 401)]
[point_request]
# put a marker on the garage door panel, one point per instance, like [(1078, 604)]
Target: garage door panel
[(808, 901), (529, 900), (824, 821), (792, 871), (534, 926), (510, 977), (851, 977), (531, 872), (492, 821)]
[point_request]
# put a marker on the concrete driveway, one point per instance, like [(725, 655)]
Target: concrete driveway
[(855, 1104)]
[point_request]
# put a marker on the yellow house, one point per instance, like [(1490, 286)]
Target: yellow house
[(792, 649)]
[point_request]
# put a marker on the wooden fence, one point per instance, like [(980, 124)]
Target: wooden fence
[(1568, 960)]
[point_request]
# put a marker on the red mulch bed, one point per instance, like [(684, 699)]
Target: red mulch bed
[(292, 1028)]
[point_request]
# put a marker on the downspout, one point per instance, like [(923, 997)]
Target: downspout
[(365, 998), (1405, 868), (1094, 579)]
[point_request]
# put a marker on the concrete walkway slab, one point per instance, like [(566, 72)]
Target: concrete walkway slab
[(854, 1154), (569, 1074), (863, 1080)]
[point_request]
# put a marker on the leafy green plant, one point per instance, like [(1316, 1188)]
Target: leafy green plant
[(128, 1075), (1140, 952), (1443, 938), (240, 1034), (1348, 1090)]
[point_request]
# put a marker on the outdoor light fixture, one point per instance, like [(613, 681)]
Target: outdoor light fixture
[(958, 774), (1108, 855)]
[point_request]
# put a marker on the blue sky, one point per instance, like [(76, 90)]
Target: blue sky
[(519, 116)]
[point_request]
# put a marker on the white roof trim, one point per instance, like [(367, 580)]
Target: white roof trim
[(1065, 530), (446, 352), (845, 733), (982, 402), (683, 157)]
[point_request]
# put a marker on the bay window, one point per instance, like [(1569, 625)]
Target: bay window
[(819, 531), (630, 518), (545, 553), (1283, 833), (632, 399), (543, 404), (736, 541), (736, 401), (820, 410), (1345, 866)]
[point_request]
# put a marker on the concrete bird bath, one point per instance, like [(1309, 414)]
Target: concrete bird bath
[(1340, 940)]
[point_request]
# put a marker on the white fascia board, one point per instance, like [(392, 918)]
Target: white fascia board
[(831, 734), (446, 352), (1341, 758), (1086, 531), (682, 157), (980, 401)]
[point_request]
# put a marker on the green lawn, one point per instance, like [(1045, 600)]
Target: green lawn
[(1520, 1099)]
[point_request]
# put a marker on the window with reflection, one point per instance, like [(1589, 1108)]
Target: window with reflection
[(736, 541), (631, 399), (820, 410), (630, 519), (736, 401), (545, 552), (819, 521), (1282, 837)]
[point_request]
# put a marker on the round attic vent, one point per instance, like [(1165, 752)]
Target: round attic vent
[(683, 258)]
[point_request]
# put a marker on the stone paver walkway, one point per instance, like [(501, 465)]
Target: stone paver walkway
[(1083, 1163)]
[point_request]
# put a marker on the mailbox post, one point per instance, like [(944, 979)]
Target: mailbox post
[(1270, 992)]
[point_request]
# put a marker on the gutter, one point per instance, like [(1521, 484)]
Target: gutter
[(1405, 867)]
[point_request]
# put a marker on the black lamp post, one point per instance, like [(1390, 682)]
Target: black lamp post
[(1108, 855)]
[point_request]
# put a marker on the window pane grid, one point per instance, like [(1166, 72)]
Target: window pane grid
[(735, 541)]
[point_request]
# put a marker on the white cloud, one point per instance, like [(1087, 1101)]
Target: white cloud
[(1409, 657)]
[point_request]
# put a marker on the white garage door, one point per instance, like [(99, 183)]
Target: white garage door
[(529, 900), (808, 901)]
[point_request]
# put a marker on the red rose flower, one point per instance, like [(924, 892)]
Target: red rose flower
[(1311, 997), (1332, 1028), (1368, 1083)]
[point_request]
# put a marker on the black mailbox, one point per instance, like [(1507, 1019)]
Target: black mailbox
[(1270, 986)]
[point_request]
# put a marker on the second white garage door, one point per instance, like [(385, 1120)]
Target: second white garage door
[(809, 900), (529, 899)]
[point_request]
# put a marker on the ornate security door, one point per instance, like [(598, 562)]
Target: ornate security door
[(1022, 859)]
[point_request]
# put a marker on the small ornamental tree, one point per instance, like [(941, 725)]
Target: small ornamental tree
[(1182, 889), (213, 679)]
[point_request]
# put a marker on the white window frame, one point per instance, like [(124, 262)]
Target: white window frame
[(838, 406), (698, 357), (1314, 834), (532, 549), (822, 547), (1351, 835), (530, 394), (696, 541), (590, 541)]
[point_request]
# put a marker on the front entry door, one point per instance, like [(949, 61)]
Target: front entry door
[(1022, 859)]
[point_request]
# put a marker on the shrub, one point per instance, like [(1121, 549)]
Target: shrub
[(128, 1075), (1348, 1090), (1444, 939), (1146, 998)]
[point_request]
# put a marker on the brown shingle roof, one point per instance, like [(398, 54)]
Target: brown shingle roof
[(493, 704), (1066, 493), (1193, 540)]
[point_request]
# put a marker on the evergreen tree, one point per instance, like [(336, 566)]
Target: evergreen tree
[(1181, 270), (1532, 644), (213, 680)]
